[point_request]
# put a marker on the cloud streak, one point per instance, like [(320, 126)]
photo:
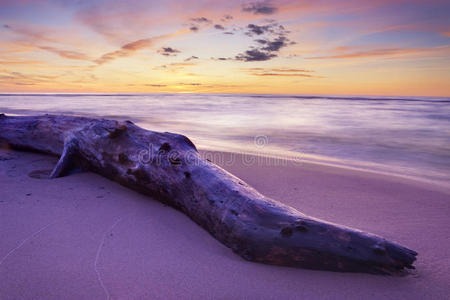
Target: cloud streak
[(191, 58), (282, 72), (33, 39), (19, 78), (31, 33), (387, 52), (175, 67), (125, 50), (130, 48), (69, 54)]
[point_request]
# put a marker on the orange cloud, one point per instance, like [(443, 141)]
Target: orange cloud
[(284, 74), (31, 38), (126, 50), (130, 48), (176, 67), (18, 78), (20, 62), (66, 53), (31, 33), (281, 72), (393, 52)]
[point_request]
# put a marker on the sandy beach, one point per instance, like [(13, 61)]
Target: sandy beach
[(85, 237)]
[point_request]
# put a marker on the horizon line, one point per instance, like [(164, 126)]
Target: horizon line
[(220, 93)]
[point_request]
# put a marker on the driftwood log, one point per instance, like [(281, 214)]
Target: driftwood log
[(167, 167)]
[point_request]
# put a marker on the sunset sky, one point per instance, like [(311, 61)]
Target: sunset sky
[(376, 47)]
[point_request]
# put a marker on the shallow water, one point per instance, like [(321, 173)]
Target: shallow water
[(402, 135)]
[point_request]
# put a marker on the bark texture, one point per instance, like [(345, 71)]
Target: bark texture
[(167, 167)]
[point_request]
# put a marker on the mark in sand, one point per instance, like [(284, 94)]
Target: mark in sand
[(97, 256), (24, 241), (40, 174)]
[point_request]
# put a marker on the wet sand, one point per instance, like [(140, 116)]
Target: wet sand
[(85, 237)]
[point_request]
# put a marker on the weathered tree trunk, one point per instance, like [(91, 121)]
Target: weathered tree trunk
[(168, 167)]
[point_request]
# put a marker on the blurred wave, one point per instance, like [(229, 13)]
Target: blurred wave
[(407, 136)]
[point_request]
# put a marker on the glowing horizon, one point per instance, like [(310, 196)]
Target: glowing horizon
[(391, 48)]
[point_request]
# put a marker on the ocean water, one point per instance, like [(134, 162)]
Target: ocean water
[(407, 136)]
